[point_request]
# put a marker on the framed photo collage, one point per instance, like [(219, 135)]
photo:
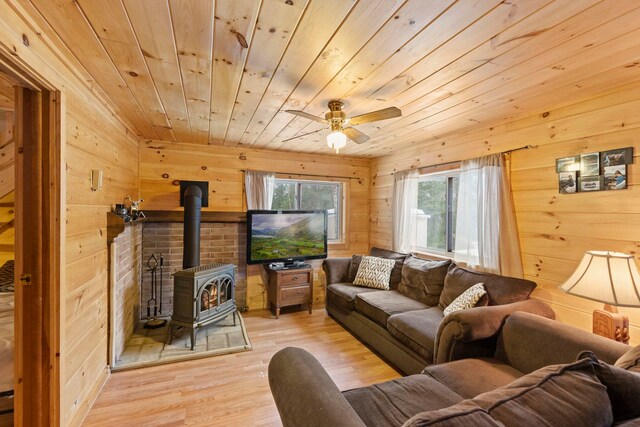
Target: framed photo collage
[(597, 171)]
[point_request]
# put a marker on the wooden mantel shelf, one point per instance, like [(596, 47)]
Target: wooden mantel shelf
[(116, 225), (206, 216)]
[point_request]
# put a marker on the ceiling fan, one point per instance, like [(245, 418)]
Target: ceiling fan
[(342, 126)]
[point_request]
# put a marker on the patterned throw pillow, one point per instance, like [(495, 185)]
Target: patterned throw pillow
[(468, 299), (374, 272)]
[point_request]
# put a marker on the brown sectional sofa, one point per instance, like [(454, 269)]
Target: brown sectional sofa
[(539, 374), (406, 324)]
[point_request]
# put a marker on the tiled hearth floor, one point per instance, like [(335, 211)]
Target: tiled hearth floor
[(148, 347)]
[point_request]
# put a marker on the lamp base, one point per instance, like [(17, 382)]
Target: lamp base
[(611, 324)]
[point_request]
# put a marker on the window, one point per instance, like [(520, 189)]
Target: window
[(310, 195), (437, 205)]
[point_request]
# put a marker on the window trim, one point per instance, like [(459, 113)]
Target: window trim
[(449, 173), (343, 189)]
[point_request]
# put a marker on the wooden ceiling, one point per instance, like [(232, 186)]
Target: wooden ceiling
[(223, 72)]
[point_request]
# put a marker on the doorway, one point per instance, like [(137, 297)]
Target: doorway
[(35, 150)]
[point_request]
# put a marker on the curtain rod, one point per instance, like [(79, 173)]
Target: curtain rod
[(305, 174), (525, 147)]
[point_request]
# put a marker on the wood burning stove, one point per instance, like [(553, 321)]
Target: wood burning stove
[(202, 296)]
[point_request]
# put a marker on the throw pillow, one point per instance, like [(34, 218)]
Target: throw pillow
[(374, 272), (622, 387), (630, 360), (556, 395), (423, 279), (468, 299), (500, 289), (396, 273)]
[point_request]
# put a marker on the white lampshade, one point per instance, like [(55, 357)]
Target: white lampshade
[(336, 140), (608, 277)]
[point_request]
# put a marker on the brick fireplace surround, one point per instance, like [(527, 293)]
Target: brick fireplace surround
[(222, 240)]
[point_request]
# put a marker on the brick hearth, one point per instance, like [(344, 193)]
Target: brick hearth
[(133, 244)]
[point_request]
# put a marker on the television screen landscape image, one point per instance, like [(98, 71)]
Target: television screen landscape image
[(281, 236)]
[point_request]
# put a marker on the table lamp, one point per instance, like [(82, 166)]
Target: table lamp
[(613, 279)]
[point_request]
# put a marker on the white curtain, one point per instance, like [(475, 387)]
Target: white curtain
[(259, 187), (486, 229), (405, 208)]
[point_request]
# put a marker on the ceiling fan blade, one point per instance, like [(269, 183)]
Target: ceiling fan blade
[(355, 135), (304, 134), (307, 116), (374, 116)]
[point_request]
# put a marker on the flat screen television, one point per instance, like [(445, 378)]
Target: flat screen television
[(286, 236)]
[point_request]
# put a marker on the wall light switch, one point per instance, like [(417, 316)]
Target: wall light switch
[(96, 180)]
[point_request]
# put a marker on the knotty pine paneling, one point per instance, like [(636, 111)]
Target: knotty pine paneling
[(94, 136), (554, 229), (162, 165)]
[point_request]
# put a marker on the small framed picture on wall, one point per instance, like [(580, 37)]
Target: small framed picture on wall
[(568, 164), (567, 182), (615, 177), (590, 164), (620, 156), (590, 183)]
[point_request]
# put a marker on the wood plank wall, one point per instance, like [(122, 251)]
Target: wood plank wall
[(93, 138), (555, 230), (163, 164)]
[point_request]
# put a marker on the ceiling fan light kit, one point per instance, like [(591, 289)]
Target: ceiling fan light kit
[(336, 140), (337, 119)]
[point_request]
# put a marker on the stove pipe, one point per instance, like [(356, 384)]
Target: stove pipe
[(192, 207)]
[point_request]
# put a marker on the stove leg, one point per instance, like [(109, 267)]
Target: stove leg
[(193, 339), (170, 333), (234, 318)]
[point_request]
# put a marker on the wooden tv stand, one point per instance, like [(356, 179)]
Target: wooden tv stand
[(290, 287)]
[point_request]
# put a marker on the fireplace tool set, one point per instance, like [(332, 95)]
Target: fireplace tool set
[(154, 302)]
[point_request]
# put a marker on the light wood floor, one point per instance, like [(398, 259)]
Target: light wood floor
[(233, 390)]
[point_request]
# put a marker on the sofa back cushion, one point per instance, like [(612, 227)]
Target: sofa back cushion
[(423, 279), (556, 395), (623, 388), (500, 289), (396, 273)]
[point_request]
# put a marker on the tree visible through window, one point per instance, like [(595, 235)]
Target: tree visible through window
[(437, 204), (312, 195)]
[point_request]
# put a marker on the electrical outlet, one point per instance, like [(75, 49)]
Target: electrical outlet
[(315, 275)]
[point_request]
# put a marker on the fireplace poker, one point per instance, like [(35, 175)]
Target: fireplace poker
[(161, 271)]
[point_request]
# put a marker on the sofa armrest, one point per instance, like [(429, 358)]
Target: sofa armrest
[(305, 394), (474, 332), (529, 342), (336, 269)]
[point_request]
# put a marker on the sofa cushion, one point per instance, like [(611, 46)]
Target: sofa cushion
[(343, 295), (417, 329), (630, 360), (396, 273), (556, 395), (423, 279), (468, 299), (470, 377), (374, 272), (463, 414), (353, 268), (623, 388), (379, 305), (393, 402), (500, 289)]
